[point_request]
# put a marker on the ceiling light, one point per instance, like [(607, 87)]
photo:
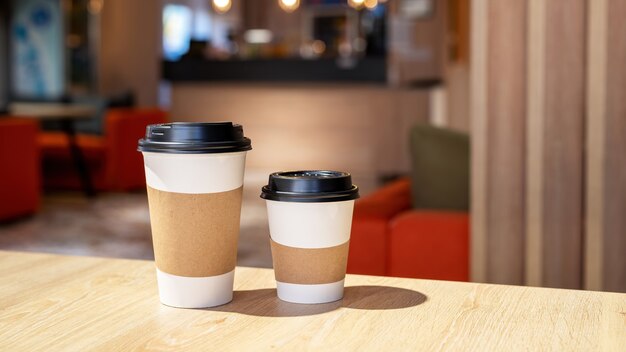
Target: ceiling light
[(221, 6), (289, 5), (357, 4), (370, 4), (95, 6)]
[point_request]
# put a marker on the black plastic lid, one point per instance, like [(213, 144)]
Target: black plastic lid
[(310, 186), (194, 138)]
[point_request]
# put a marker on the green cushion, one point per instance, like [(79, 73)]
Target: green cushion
[(440, 168)]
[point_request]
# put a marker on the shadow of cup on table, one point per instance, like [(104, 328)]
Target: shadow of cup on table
[(265, 302)]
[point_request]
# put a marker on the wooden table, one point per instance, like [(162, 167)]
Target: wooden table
[(65, 114), (50, 302)]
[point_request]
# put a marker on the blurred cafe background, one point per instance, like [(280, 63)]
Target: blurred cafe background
[(487, 136)]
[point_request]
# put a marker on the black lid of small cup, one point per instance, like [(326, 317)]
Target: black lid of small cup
[(194, 138), (310, 186)]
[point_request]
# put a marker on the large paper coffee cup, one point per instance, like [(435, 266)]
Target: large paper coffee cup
[(194, 177), (310, 217)]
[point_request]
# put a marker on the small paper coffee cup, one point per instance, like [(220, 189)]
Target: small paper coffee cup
[(310, 217)]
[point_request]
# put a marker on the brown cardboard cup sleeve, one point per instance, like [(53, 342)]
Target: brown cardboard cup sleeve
[(195, 235), (309, 266)]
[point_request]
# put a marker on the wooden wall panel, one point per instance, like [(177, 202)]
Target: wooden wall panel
[(130, 49), (457, 96), (564, 140), (555, 118), (615, 177), (528, 99), (535, 124), (595, 163), (498, 116), (506, 93), (605, 266), (478, 117)]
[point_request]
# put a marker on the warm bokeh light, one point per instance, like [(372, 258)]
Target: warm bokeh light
[(318, 47), (221, 6), (370, 4), (357, 4), (289, 5), (95, 6), (258, 36)]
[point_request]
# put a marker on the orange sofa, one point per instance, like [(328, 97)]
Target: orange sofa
[(389, 238), (112, 160), (20, 183)]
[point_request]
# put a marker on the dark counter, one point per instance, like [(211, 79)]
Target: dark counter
[(283, 70)]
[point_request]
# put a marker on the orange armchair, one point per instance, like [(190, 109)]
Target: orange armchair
[(389, 238), (123, 129), (370, 227), (20, 177), (113, 161), (420, 227)]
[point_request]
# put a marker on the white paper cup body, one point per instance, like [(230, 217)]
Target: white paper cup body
[(309, 226), (194, 174)]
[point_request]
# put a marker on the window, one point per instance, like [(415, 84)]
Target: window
[(176, 30)]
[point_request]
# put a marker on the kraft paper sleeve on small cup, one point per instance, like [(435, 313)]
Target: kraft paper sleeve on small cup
[(309, 266), (195, 235)]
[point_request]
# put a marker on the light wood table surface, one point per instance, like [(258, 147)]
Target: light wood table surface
[(53, 303)]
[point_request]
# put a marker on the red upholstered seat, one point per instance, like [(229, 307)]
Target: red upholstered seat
[(429, 245), (58, 166), (372, 214), (387, 202), (389, 238), (57, 143), (20, 185), (112, 159)]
